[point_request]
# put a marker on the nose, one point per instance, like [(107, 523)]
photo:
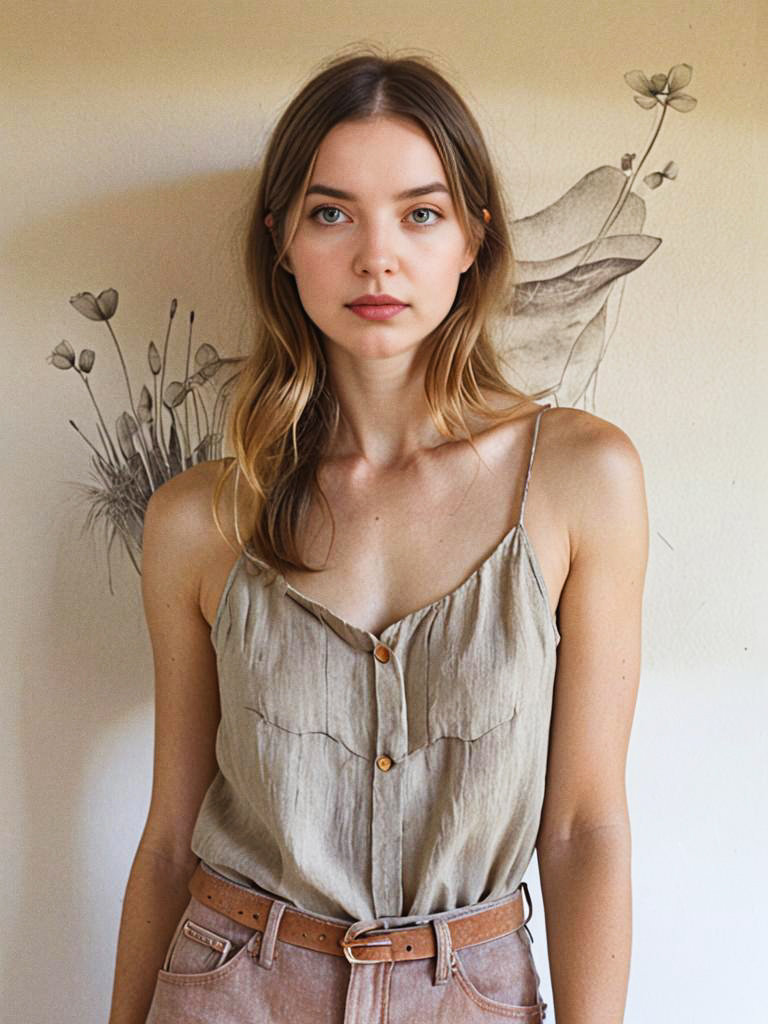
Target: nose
[(376, 249)]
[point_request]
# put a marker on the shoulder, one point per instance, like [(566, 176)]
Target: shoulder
[(600, 475), (594, 444), (180, 533), (181, 508)]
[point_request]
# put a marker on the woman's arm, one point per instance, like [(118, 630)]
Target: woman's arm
[(177, 536), (583, 845)]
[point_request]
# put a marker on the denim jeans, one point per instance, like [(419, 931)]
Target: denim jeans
[(219, 970)]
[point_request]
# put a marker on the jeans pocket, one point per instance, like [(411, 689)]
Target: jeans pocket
[(499, 976), (206, 946)]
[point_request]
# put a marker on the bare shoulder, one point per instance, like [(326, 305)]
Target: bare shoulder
[(598, 472), (179, 528), (183, 503), (592, 440)]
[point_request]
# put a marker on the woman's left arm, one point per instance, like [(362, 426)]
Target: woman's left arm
[(583, 845)]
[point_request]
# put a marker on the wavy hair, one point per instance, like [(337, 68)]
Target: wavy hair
[(283, 412)]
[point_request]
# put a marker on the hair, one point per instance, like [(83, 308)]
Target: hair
[(283, 411)]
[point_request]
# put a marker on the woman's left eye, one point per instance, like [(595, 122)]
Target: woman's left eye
[(427, 209), (334, 209)]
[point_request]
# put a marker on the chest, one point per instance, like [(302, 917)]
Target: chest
[(406, 538), (461, 666), (403, 541)]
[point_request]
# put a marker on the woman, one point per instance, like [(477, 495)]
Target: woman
[(367, 714)]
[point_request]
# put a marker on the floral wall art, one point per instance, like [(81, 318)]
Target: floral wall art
[(570, 257)]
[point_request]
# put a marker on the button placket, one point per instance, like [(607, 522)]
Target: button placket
[(387, 782)]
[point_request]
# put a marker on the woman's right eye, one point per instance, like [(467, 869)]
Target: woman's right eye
[(323, 209)]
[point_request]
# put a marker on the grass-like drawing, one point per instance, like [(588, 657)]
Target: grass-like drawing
[(143, 457)]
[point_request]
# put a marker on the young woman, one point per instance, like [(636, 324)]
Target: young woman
[(397, 635)]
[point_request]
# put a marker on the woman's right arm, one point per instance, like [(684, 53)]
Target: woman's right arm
[(176, 541)]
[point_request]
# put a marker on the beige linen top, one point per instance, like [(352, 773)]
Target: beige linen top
[(397, 775)]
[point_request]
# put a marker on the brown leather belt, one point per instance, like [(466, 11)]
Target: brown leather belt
[(300, 928)]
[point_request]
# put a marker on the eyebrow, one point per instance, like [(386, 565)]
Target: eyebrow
[(409, 193)]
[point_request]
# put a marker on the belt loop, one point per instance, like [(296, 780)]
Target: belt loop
[(524, 888), (267, 949), (444, 953)]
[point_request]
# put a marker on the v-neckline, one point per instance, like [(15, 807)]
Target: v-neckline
[(374, 638)]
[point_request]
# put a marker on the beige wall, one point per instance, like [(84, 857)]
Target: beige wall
[(129, 129)]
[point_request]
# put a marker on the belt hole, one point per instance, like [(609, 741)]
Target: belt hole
[(409, 947), (255, 916), (321, 936)]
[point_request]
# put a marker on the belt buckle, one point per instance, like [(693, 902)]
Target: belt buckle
[(346, 944), (351, 939)]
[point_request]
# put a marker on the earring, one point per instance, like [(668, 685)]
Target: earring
[(269, 220), (486, 216)]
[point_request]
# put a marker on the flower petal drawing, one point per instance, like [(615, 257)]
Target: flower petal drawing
[(637, 80), (681, 102), (679, 76), (63, 356)]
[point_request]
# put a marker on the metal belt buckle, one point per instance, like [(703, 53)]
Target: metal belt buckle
[(348, 943), (351, 938)]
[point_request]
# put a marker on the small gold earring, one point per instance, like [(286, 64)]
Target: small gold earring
[(486, 216)]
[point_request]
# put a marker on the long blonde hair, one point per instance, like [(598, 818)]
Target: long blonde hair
[(283, 412)]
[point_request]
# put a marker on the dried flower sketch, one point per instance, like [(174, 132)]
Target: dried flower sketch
[(143, 457), (568, 257)]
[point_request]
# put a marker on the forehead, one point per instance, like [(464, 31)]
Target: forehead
[(375, 157)]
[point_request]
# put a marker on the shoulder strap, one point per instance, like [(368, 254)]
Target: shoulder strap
[(530, 462)]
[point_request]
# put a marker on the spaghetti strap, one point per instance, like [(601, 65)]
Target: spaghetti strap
[(530, 462)]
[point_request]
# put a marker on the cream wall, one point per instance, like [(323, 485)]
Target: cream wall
[(129, 131)]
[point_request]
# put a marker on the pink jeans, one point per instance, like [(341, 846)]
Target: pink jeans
[(218, 970)]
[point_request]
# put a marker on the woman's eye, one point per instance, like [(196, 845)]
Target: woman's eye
[(318, 215), (427, 209), (326, 209)]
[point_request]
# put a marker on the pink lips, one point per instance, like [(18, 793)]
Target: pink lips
[(377, 312), (376, 307)]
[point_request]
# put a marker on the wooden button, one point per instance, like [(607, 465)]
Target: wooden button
[(381, 653), (384, 762)]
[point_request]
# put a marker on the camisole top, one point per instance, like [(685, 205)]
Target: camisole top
[(400, 774)]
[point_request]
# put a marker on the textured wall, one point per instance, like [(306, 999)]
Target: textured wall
[(129, 133)]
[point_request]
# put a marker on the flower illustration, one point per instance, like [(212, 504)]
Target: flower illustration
[(656, 178), (663, 89), (139, 455), (96, 307), (63, 356), (568, 256)]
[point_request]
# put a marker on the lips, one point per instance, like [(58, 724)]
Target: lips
[(377, 300), (377, 311)]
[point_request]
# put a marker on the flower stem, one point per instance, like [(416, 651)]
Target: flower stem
[(197, 416), (90, 444), (115, 456), (162, 388), (625, 189), (152, 482), (186, 379)]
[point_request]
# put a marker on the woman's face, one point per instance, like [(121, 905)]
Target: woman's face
[(372, 240)]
